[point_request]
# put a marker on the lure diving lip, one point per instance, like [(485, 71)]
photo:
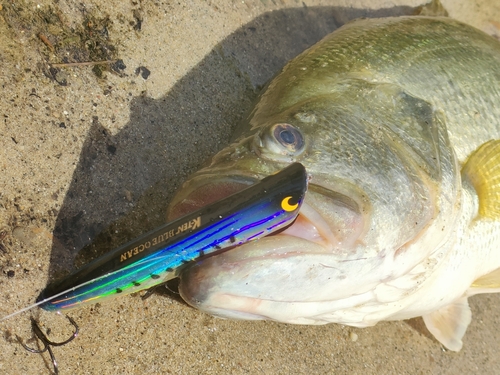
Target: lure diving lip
[(157, 256)]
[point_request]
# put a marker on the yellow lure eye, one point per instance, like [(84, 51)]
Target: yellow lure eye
[(285, 204)]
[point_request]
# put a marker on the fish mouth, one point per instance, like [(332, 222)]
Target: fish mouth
[(203, 190), (311, 226), (236, 283)]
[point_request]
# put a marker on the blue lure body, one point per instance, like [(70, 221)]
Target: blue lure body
[(160, 255)]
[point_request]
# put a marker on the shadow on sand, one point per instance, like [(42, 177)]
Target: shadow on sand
[(123, 183)]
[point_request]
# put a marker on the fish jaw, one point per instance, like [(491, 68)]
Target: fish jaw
[(266, 279)]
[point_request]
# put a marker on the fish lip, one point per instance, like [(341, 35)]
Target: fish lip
[(204, 189)]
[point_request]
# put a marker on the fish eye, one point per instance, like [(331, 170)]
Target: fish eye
[(289, 137), (280, 141)]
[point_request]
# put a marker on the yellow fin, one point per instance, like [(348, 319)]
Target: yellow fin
[(489, 281), (483, 172)]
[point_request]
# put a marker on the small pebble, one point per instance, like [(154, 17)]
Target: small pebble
[(353, 336)]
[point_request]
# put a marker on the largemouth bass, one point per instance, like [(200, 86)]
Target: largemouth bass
[(397, 121)]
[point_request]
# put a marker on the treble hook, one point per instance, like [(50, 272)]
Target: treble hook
[(46, 342)]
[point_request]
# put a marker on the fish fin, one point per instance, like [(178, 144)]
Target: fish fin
[(434, 9), (489, 283), (449, 323), (482, 170)]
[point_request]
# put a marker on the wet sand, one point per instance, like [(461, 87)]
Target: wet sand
[(90, 156)]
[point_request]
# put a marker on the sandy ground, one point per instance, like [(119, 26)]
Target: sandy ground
[(89, 156)]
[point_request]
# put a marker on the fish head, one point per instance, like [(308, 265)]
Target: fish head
[(382, 175)]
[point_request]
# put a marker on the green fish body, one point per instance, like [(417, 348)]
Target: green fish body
[(397, 121)]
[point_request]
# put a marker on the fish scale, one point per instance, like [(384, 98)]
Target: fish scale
[(401, 53)]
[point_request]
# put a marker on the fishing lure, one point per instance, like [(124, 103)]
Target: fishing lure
[(158, 256)]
